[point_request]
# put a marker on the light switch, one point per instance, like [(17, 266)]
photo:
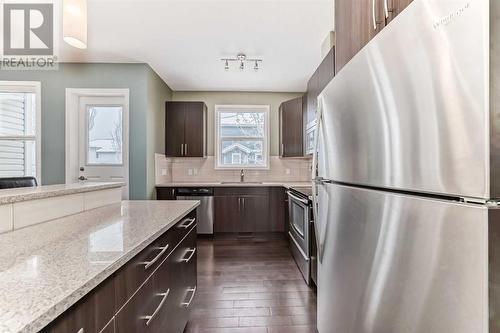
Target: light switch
[(288, 171), (190, 172), (163, 172), (195, 172)]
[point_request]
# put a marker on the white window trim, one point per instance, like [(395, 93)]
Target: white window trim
[(266, 146), (29, 87)]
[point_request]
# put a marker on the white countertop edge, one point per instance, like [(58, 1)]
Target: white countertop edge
[(8, 196), (236, 184), (62, 305)]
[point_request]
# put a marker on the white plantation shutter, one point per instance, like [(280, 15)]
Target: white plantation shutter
[(17, 132)]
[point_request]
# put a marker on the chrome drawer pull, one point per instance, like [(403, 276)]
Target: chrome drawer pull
[(193, 291), (158, 256), (163, 300), (193, 251), (81, 330), (187, 226)]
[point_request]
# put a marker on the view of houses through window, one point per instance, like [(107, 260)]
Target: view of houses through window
[(242, 136)]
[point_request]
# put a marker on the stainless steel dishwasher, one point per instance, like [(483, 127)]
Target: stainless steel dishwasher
[(205, 211)]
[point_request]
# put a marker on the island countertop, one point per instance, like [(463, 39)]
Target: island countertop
[(46, 268)]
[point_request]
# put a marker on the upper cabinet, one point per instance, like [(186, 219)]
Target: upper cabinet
[(185, 129), (357, 22), (291, 128), (395, 7)]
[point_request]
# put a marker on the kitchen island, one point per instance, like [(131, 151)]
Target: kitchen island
[(91, 271)]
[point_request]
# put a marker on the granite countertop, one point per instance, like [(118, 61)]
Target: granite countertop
[(236, 184), (46, 268), (12, 195)]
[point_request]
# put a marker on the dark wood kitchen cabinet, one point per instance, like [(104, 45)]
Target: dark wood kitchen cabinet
[(356, 23), (318, 81), (291, 128), (185, 129), (160, 282), (395, 7), (355, 26), (249, 209)]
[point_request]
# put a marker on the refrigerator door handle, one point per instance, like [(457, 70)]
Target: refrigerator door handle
[(317, 180)]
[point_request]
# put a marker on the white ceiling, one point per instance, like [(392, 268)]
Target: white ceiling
[(183, 40)]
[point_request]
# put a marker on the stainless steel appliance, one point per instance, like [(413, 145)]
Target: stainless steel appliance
[(205, 211), (408, 177), (300, 220)]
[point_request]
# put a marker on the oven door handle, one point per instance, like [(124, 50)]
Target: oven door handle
[(294, 197)]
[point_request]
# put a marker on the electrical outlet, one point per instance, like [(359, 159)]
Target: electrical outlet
[(195, 172), (163, 172), (190, 172), (288, 171)]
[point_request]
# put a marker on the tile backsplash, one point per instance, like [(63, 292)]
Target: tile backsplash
[(178, 170)]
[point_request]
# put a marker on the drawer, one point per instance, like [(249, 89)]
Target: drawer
[(133, 316), (91, 314), (180, 270), (158, 306), (138, 269), (241, 191)]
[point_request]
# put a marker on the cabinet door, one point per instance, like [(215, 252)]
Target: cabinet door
[(227, 213), (395, 7), (174, 129), (255, 214), (356, 23), (326, 70), (165, 193), (277, 209), (292, 134), (312, 97), (195, 122)]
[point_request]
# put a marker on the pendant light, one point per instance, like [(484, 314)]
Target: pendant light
[(75, 23)]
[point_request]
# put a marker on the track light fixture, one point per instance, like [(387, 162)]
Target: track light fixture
[(242, 59)]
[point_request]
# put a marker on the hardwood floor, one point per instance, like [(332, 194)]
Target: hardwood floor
[(250, 286)]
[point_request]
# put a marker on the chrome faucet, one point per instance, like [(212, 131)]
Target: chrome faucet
[(242, 175)]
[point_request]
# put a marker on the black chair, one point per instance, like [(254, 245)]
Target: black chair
[(14, 182)]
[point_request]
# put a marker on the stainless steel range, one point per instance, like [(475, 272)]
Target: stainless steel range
[(301, 231)]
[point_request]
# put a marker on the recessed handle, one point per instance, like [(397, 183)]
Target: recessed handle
[(162, 302), (188, 259), (158, 256)]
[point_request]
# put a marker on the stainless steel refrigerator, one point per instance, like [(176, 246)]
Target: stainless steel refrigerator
[(408, 177)]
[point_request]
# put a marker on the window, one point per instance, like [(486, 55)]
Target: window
[(19, 129), (105, 135), (242, 136)]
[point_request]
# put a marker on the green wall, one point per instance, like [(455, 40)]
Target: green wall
[(147, 95)]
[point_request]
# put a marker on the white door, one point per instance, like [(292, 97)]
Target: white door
[(103, 139)]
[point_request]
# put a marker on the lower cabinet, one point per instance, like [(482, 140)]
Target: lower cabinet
[(151, 293), (249, 209), (161, 304)]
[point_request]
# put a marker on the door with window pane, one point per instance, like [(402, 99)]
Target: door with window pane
[(242, 137), (103, 140), (19, 130)]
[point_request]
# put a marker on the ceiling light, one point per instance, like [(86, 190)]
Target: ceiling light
[(242, 59), (75, 23)]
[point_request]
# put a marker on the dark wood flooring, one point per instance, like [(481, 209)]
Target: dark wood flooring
[(250, 286)]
